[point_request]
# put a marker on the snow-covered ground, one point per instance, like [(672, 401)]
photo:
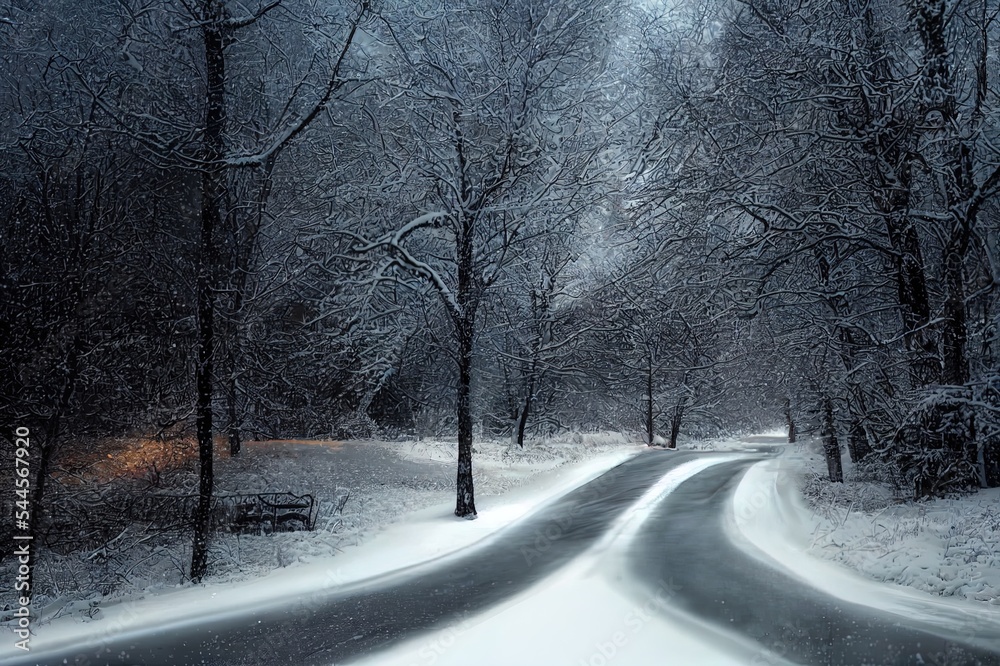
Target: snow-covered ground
[(946, 547), (940, 557), (401, 516)]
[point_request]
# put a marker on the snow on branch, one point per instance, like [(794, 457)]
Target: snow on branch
[(426, 271), (428, 219), (286, 136), (237, 23), (404, 258)]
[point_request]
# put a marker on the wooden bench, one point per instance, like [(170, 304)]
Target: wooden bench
[(277, 512)]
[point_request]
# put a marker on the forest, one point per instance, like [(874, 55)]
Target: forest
[(233, 220)]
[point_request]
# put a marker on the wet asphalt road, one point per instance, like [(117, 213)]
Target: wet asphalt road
[(683, 544), (790, 621)]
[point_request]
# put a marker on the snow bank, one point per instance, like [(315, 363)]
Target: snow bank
[(501, 465), (944, 546), (772, 522)]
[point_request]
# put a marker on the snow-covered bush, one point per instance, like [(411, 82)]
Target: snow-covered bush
[(934, 447), (355, 425)]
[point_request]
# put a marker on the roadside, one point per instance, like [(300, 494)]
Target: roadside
[(941, 557), (944, 546)]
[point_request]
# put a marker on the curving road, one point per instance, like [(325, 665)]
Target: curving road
[(336, 627), (762, 603), (684, 541)]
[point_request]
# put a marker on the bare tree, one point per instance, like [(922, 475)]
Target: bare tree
[(498, 96)]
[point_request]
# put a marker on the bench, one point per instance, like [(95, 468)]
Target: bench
[(272, 512)]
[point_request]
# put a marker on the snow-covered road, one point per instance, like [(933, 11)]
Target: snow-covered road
[(657, 561), (688, 542), (329, 628)]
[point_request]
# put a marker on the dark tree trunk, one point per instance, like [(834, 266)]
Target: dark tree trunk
[(931, 21), (465, 330), (211, 199), (857, 442), (649, 403), (953, 338), (911, 290), (991, 461), (464, 319), (675, 425), (831, 447), (465, 504), (891, 140), (522, 419), (790, 422), (962, 198)]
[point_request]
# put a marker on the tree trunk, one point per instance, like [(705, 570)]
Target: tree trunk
[(465, 330), (675, 425), (790, 421), (211, 198), (465, 505), (911, 289), (953, 338), (522, 420), (961, 201), (991, 461), (649, 403), (890, 144), (857, 442), (831, 447)]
